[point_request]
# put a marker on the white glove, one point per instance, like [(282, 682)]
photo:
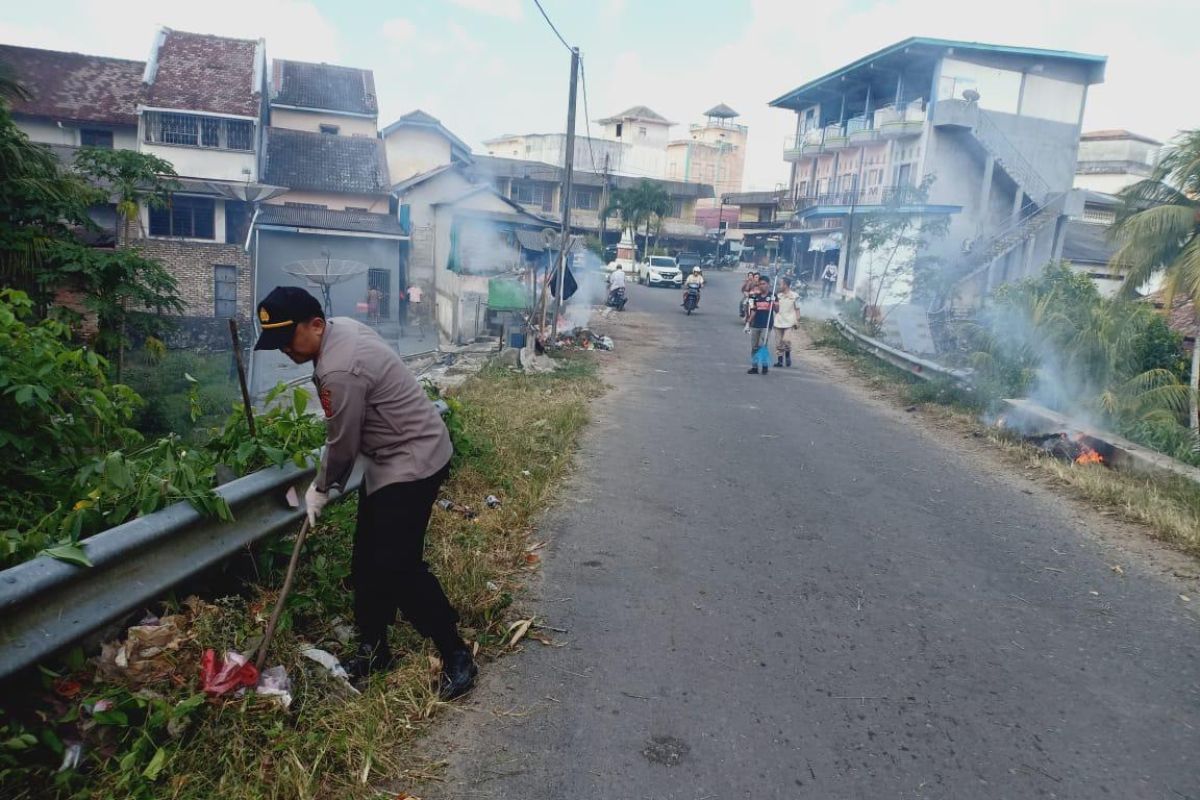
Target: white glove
[(314, 502), (747, 328)]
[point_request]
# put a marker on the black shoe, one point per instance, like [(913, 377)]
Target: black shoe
[(458, 674), (367, 660), (764, 370), (789, 359), (752, 371), (779, 362)]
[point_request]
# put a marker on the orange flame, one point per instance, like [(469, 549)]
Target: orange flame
[(1089, 456)]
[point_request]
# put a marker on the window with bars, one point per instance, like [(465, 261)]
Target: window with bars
[(224, 291), (676, 209), (586, 199), (185, 217), (1099, 216), (193, 130), (528, 193)]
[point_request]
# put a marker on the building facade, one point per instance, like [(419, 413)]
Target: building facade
[(1113, 159), (991, 133), (714, 152)]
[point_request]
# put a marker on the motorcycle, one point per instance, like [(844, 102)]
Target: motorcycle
[(617, 298), (691, 299)]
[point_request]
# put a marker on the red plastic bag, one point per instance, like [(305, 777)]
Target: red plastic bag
[(219, 677)]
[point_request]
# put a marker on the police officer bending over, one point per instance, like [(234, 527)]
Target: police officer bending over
[(374, 406)]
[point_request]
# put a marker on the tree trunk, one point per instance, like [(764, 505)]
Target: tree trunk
[(1194, 401)]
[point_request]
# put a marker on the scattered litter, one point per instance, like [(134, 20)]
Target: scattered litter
[(911, 409), (1185, 598), (584, 339), (1117, 569), (492, 586), (518, 629), (458, 508), (532, 558), (147, 654), (274, 682), (1094, 593), (329, 662), (492, 501), (344, 633), (100, 707), (72, 755), (526, 473), (537, 546), (218, 677)]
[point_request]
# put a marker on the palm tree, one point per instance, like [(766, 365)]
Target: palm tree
[(1158, 231), (641, 206)]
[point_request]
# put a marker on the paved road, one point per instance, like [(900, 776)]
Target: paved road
[(774, 587)]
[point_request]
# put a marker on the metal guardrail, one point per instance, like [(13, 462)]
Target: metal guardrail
[(46, 604), (921, 367)]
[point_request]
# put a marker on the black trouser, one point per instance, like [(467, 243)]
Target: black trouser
[(388, 569), (827, 288)]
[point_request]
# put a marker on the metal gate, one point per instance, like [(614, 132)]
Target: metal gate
[(381, 279)]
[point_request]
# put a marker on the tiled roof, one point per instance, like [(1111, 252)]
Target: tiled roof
[(76, 87), (323, 86), (1115, 134), (721, 111), (197, 72), (420, 119), (500, 167), (325, 219), (326, 163), (640, 113)]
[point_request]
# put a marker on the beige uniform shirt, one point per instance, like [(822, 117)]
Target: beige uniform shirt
[(374, 406)]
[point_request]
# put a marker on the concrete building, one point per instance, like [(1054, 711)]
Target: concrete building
[(418, 142), (550, 148), (994, 128), (333, 220), (1113, 159), (646, 134), (537, 187), (714, 152)]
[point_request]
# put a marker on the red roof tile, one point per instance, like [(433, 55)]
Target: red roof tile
[(72, 87), (198, 72)]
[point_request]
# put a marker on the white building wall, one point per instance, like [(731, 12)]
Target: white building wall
[(199, 162), (48, 132), (411, 151), (313, 120)]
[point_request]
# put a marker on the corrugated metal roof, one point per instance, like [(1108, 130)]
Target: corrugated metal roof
[(326, 219)]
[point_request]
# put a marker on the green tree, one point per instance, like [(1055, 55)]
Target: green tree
[(643, 206), (1158, 231), (133, 179)]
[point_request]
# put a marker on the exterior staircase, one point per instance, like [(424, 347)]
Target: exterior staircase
[(961, 114)]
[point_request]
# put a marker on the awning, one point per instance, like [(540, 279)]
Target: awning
[(507, 295), (825, 242)]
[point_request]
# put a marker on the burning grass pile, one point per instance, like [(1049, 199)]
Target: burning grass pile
[(117, 734)]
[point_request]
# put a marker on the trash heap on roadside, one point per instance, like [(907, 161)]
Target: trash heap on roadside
[(584, 339)]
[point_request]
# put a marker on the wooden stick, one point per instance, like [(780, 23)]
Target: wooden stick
[(241, 369), (283, 593)]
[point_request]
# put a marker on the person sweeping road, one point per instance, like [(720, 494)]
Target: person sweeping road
[(759, 309), (374, 407)]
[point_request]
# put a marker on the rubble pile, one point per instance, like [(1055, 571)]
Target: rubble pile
[(584, 339)]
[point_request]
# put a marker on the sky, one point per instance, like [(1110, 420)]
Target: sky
[(487, 67)]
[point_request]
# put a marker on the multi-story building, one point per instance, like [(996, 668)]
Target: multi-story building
[(991, 130), (418, 142), (550, 148), (646, 134), (714, 152), (196, 102), (537, 187), (332, 224), (1113, 159)]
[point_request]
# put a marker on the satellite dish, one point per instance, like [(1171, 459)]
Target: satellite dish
[(326, 273)]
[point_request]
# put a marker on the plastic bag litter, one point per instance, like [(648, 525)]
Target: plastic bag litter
[(449, 505), (72, 755), (146, 654), (329, 661), (492, 501), (274, 682), (218, 677)]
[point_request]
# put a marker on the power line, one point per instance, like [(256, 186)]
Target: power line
[(546, 17), (587, 115)]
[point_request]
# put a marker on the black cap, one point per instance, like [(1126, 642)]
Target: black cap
[(280, 311)]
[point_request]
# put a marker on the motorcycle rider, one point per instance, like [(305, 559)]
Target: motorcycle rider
[(694, 280), (616, 282)]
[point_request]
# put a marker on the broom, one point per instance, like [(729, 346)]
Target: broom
[(762, 356)]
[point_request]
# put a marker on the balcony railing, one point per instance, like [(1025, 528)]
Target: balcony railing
[(905, 120), (866, 196)]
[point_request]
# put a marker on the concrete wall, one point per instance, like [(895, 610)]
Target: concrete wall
[(413, 150), (1109, 183), (199, 162), (49, 132), (376, 204), (313, 120)]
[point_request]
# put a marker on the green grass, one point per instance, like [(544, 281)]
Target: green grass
[(162, 382), (524, 430)]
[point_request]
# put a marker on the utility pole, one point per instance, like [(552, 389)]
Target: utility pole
[(603, 206), (568, 180)]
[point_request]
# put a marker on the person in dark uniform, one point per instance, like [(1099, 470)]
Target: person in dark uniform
[(375, 408)]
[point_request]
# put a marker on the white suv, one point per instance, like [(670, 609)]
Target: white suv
[(660, 271)]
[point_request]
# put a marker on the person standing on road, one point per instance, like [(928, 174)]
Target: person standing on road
[(374, 407), (786, 320), (758, 317), (828, 280), (402, 310)]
